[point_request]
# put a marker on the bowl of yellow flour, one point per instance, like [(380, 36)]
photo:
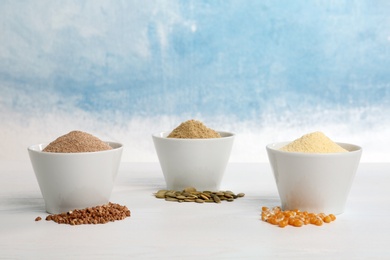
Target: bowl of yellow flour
[(313, 173)]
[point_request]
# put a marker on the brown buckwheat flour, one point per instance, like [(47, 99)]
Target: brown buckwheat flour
[(193, 129), (76, 142), (315, 142)]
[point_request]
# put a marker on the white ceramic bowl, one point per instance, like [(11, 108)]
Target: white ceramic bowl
[(75, 180), (314, 182), (199, 163)]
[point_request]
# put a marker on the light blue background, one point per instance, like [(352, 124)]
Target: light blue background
[(268, 70)]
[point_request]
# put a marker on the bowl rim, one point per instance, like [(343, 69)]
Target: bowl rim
[(163, 135), (41, 146), (271, 147)]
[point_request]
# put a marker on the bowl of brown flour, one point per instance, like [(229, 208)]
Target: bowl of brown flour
[(313, 173), (77, 170), (193, 155)]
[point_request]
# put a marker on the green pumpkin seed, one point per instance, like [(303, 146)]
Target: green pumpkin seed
[(216, 199), (227, 195), (160, 196), (204, 196), (171, 199), (170, 194)]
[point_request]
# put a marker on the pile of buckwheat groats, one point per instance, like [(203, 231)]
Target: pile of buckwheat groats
[(95, 215)]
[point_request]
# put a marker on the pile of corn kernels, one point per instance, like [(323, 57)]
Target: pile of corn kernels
[(296, 218)]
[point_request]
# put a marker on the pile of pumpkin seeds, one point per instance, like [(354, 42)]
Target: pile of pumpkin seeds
[(190, 194)]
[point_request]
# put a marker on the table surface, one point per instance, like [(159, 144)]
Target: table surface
[(161, 229)]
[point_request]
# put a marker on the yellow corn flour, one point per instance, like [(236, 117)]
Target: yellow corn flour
[(315, 142)]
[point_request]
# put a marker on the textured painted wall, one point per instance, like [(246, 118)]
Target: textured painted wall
[(267, 70)]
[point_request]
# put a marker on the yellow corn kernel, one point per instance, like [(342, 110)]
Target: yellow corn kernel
[(327, 219), (297, 223), (283, 223)]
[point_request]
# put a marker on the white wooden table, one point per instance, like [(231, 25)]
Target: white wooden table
[(168, 230)]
